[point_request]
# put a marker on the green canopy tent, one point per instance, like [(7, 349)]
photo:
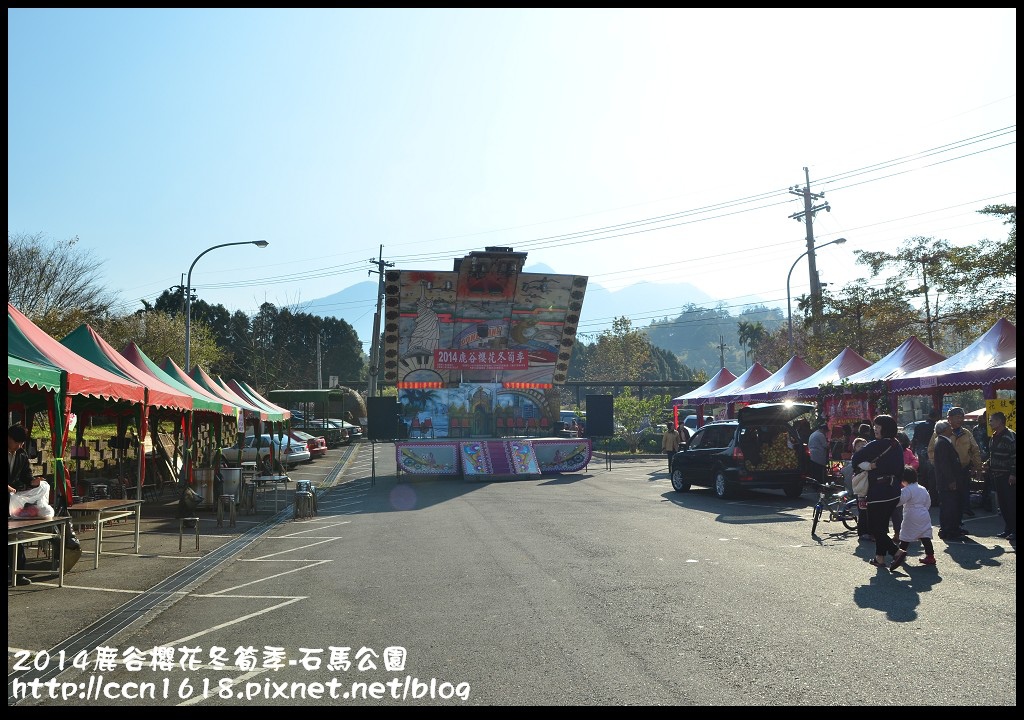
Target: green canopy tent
[(250, 413), (85, 387), (314, 402), (31, 378), (276, 415), (160, 399), (32, 387), (204, 405)]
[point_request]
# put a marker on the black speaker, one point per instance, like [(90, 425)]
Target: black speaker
[(382, 418), (600, 418)]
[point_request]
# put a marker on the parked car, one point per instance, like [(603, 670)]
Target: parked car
[(289, 452), (334, 434), (752, 451), (355, 432), (571, 424), (317, 446), (911, 427)]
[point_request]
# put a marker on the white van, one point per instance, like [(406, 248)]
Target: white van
[(690, 422)]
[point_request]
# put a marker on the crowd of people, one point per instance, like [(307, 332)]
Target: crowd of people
[(907, 477)]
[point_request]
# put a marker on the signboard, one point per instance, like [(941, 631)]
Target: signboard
[(481, 360), (1007, 407)]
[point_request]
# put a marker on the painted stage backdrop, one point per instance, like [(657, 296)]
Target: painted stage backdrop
[(478, 351)]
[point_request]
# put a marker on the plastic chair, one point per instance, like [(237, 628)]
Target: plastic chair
[(415, 427), (427, 426)]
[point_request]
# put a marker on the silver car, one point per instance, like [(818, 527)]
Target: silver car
[(288, 451)]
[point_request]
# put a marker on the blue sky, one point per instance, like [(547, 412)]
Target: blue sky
[(626, 145)]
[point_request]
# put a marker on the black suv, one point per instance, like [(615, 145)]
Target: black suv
[(753, 451)]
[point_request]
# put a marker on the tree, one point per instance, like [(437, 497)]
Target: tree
[(160, 335), (870, 320), (622, 353), (964, 290), (925, 267), (635, 414), (55, 283), (750, 335)]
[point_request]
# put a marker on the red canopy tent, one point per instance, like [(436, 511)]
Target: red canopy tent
[(769, 389), (753, 375), (842, 366), (85, 341), (866, 393), (250, 392), (90, 388), (989, 363), (721, 378), (201, 401)]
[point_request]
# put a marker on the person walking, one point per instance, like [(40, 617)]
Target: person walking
[(946, 464), (1002, 465), (817, 449), (670, 444), (883, 459), (915, 504)]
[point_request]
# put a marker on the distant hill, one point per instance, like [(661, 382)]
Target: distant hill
[(643, 302)]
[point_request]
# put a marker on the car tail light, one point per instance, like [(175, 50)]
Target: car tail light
[(737, 454)]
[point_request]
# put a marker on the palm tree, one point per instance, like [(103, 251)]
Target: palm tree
[(750, 335)]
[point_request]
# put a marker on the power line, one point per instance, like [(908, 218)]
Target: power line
[(641, 225)]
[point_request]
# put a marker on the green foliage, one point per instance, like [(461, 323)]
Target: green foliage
[(876, 391), (962, 291), (636, 414), (160, 335), (275, 348), (622, 353)]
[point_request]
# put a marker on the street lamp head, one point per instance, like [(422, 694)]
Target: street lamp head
[(264, 243), (839, 241)]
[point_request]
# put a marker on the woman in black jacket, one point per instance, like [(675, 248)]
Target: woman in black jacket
[(883, 459)]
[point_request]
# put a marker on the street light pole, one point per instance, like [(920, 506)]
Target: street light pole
[(188, 295), (789, 307)]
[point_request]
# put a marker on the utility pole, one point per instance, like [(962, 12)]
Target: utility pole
[(371, 390), (721, 348), (319, 365), (807, 215)]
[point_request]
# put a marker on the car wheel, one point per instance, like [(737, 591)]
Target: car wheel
[(722, 489), (794, 491), (679, 483)]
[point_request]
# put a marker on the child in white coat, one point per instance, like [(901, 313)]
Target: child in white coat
[(917, 519)]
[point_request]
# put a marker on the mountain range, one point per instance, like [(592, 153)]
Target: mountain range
[(642, 302)]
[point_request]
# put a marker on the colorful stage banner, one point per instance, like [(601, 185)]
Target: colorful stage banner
[(481, 360)]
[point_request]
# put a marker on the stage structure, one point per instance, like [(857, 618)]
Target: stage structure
[(476, 354)]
